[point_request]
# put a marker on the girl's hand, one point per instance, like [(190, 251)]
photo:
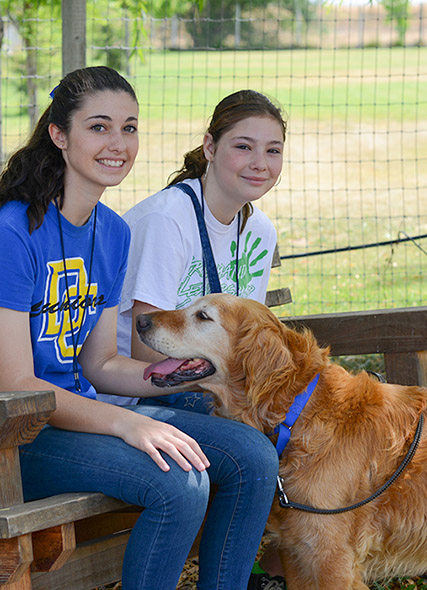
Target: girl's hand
[(153, 436)]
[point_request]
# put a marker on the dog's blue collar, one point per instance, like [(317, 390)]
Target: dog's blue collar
[(284, 428)]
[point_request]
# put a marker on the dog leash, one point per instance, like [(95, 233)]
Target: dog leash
[(286, 503)]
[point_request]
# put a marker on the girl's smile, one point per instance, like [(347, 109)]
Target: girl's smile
[(112, 163)]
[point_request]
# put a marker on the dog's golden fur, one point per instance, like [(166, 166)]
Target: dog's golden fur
[(350, 438)]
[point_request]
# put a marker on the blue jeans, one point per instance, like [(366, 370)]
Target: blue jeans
[(244, 464)]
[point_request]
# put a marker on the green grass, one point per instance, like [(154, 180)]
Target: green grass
[(309, 83), (371, 279), (385, 83)]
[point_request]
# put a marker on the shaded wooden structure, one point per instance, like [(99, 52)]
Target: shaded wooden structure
[(398, 334)]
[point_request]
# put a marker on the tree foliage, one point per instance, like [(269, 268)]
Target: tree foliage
[(26, 16), (398, 13), (169, 8), (216, 22)]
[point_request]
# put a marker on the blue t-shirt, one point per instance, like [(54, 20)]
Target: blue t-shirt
[(33, 280)]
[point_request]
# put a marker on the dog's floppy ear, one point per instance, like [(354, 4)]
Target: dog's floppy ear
[(267, 363), (270, 363)]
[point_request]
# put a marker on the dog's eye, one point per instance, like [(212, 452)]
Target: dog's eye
[(202, 315)]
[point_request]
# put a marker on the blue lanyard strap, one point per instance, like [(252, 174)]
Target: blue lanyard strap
[(215, 285), (208, 257), (284, 428)]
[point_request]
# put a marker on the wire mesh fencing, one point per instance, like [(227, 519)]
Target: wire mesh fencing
[(351, 207)]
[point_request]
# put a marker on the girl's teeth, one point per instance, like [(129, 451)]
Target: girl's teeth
[(114, 163)]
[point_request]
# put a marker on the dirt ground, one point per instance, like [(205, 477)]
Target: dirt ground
[(189, 575)]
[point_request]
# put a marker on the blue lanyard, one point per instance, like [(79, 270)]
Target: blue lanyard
[(75, 339)]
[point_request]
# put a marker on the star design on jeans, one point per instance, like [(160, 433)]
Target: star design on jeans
[(191, 400)]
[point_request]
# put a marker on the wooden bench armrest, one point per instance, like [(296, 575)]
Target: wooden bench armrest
[(276, 297), (22, 415), (38, 515)]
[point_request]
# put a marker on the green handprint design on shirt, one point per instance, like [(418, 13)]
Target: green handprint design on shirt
[(245, 263), (191, 286)]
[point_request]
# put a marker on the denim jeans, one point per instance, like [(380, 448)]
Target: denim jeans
[(244, 464)]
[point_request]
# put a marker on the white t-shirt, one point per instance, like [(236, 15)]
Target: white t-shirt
[(165, 266)]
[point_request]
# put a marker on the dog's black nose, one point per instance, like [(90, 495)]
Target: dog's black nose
[(143, 322)]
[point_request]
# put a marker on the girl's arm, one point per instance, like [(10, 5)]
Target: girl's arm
[(81, 414), (110, 372)]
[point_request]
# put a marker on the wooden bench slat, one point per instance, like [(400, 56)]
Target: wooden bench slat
[(278, 297), (49, 512), (381, 331)]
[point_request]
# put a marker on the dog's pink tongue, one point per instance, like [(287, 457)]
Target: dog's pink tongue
[(165, 367)]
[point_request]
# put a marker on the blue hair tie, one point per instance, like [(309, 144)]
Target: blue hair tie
[(52, 93)]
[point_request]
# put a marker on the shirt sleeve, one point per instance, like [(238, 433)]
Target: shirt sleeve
[(156, 262)]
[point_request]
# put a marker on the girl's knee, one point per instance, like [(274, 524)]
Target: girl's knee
[(176, 492), (245, 455), (260, 451)]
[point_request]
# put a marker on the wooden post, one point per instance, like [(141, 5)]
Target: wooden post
[(407, 368), (22, 415), (73, 35)]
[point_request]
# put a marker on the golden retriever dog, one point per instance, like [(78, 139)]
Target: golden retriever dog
[(349, 439)]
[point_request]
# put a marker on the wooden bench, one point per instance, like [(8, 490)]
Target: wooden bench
[(281, 296), (77, 541)]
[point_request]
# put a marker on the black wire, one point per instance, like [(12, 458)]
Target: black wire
[(360, 247)]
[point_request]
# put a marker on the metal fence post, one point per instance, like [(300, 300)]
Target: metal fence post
[(73, 35)]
